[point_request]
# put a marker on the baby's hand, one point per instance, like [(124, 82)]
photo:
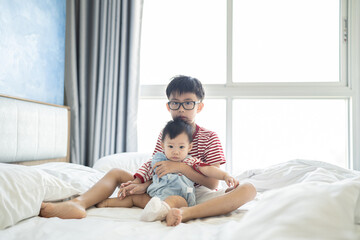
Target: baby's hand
[(230, 181)]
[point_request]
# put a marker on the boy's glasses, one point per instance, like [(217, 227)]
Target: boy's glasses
[(186, 105)]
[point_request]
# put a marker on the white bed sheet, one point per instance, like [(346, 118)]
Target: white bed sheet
[(298, 199)]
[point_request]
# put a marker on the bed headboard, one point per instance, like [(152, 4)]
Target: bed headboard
[(33, 132)]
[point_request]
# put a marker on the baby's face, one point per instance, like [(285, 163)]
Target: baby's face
[(177, 149)]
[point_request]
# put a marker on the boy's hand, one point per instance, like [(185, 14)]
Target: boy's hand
[(131, 188), (165, 167), (231, 182)]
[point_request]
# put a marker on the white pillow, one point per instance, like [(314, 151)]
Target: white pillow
[(22, 189), (78, 176), (128, 161)]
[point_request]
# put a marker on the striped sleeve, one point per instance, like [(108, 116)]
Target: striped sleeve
[(158, 147), (144, 173), (195, 163), (214, 153)]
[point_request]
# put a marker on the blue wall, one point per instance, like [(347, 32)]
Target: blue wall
[(32, 49)]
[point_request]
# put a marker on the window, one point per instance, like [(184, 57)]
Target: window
[(177, 34), (279, 86), (276, 130), (305, 49)]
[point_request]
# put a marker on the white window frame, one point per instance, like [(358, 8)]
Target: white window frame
[(348, 88)]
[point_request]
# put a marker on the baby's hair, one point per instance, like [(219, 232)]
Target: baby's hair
[(175, 127), (184, 84)]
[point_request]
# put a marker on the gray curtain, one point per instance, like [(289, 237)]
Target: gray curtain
[(102, 77)]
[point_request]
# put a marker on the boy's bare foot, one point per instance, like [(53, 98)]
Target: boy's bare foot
[(65, 210), (174, 217)]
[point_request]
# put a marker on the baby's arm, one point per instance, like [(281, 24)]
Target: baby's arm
[(219, 174)]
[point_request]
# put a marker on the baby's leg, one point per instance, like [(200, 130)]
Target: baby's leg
[(176, 201), (157, 209), (138, 200)]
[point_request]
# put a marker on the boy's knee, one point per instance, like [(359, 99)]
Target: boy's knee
[(120, 174), (248, 189), (116, 171)]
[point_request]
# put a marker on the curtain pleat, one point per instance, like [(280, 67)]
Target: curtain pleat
[(102, 80)]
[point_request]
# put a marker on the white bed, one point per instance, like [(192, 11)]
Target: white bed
[(298, 199)]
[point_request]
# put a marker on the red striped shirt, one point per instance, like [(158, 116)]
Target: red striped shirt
[(206, 147)]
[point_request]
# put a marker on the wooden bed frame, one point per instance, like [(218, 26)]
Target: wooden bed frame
[(59, 159)]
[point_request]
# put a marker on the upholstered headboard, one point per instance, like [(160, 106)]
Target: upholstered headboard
[(33, 132)]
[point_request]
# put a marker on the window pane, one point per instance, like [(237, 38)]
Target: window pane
[(183, 37), (272, 131), (152, 117), (286, 41)]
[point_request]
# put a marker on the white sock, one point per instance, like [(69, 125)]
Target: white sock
[(155, 210)]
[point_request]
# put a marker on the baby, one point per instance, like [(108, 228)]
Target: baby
[(172, 190)]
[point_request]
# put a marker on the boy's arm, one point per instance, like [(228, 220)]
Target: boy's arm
[(205, 180), (217, 173), (213, 155), (213, 172), (133, 187), (165, 167), (144, 173)]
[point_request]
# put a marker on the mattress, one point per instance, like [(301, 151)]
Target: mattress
[(297, 199)]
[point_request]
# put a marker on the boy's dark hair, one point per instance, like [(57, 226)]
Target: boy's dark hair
[(175, 127), (184, 84)]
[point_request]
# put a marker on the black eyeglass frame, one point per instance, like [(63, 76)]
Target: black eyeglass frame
[(182, 104)]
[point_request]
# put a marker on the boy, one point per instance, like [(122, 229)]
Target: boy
[(185, 96), (171, 190)]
